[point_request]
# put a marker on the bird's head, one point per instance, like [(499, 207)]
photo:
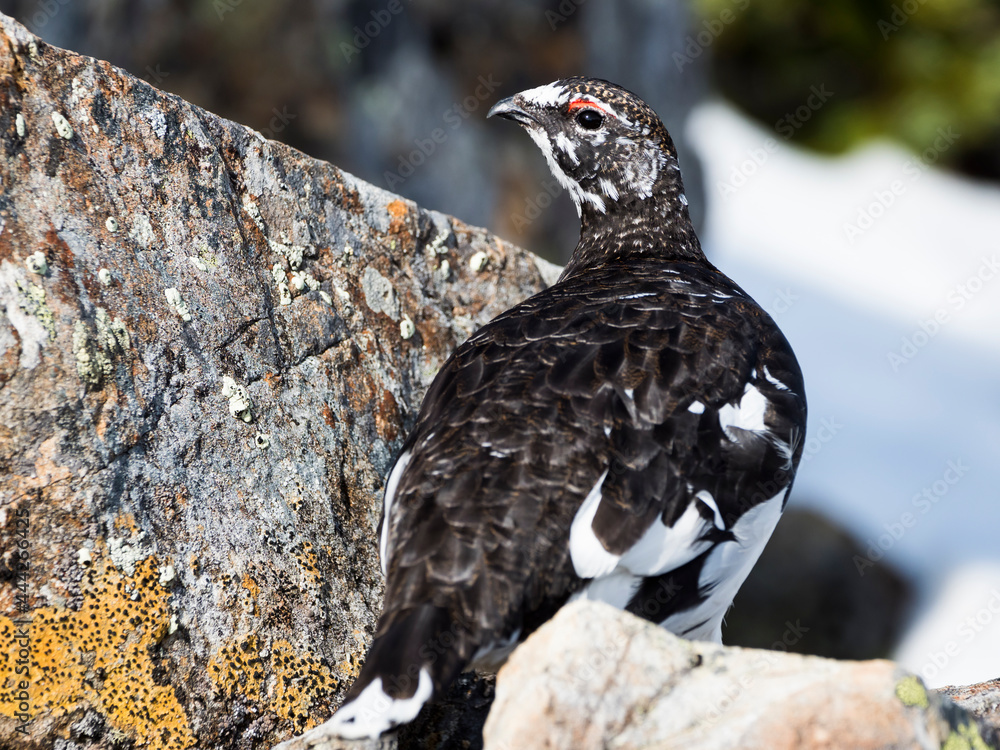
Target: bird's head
[(603, 143)]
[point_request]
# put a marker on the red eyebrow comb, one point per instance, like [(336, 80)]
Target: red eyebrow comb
[(578, 103)]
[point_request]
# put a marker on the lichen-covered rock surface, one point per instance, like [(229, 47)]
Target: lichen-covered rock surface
[(211, 347)]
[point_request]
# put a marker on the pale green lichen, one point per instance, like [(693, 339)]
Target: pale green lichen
[(206, 256), (112, 224), (20, 124), (252, 209), (63, 128), (104, 276), (278, 274), (406, 328), (326, 297), (37, 263), (910, 690), (33, 302), (262, 440), (94, 355), (284, 294), (177, 303), (239, 400), (198, 263), (167, 575), (965, 737), (438, 244), (444, 270), (478, 261), (90, 360), (301, 280)]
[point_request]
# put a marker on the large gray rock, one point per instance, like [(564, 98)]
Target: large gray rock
[(211, 346), (595, 677)]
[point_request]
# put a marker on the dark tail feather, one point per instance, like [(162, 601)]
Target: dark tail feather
[(416, 654)]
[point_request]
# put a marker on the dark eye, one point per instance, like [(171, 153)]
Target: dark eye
[(589, 119)]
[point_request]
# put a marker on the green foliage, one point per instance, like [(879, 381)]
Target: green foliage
[(897, 68)]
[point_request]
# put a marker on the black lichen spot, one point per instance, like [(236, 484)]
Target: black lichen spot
[(102, 115)]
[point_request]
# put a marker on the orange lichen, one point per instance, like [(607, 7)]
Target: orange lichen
[(98, 656), (299, 686), (237, 668), (251, 586), (397, 216), (300, 683)]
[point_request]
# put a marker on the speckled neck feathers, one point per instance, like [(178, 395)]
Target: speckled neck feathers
[(617, 161)]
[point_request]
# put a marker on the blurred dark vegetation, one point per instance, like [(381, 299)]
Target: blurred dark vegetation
[(365, 85), (901, 69)]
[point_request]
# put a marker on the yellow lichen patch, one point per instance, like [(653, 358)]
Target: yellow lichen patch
[(910, 690), (309, 565), (99, 657), (125, 524), (300, 682), (252, 589), (299, 686), (238, 668), (398, 212)]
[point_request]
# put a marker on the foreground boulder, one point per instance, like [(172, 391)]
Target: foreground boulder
[(211, 346), (595, 677)]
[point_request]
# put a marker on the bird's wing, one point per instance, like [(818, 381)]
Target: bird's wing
[(596, 426)]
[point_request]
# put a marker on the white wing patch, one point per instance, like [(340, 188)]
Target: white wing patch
[(590, 558), (747, 415), (774, 381), (697, 407), (390, 494), (664, 548), (725, 569), (706, 497), (374, 711), (615, 589)]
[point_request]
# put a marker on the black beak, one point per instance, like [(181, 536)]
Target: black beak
[(512, 108)]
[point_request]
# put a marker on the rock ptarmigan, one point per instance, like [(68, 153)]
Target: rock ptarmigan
[(630, 434)]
